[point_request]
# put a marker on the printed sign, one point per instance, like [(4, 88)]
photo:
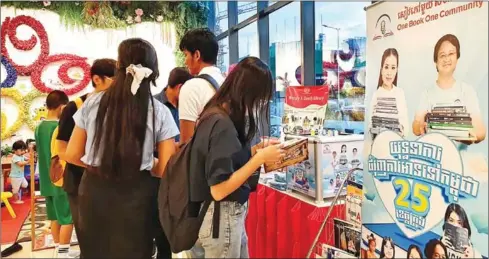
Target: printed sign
[(305, 110), (425, 182)]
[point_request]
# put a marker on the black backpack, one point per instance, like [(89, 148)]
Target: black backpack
[(180, 218)]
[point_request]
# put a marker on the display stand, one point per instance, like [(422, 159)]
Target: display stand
[(330, 210), (319, 170)]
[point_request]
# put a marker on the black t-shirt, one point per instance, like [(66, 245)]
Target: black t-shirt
[(73, 173), (219, 153)]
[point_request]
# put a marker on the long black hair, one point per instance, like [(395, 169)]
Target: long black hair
[(246, 91), (457, 209), (120, 126), (384, 243)]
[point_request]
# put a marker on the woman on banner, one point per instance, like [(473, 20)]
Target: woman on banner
[(450, 103), (388, 107), (457, 233)]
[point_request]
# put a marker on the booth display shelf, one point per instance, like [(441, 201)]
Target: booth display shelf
[(284, 224), (330, 159)]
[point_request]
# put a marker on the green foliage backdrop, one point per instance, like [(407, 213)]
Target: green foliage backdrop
[(184, 15)]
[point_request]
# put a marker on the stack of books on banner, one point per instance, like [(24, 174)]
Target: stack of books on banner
[(451, 120), (385, 116)]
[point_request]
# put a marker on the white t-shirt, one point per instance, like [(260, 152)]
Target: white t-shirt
[(402, 113), (460, 93), (195, 94)]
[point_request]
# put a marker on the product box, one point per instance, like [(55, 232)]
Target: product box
[(296, 151), (330, 160)]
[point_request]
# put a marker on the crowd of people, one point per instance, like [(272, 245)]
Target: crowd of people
[(114, 145)]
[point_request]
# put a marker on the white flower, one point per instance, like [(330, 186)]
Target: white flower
[(129, 19), (159, 18)]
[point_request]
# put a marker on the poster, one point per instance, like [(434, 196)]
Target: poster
[(305, 110), (426, 170)]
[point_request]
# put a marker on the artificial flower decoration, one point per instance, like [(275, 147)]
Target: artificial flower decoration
[(11, 74), (71, 62), (32, 120), (35, 70), (9, 27), (129, 19), (4, 122), (14, 95), (46, 3), (159, 18), (139, 12)]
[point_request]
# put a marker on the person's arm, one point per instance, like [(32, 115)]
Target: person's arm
[(238, 178), (166, 129), (20, 162), (187, 130), (189, 108), (219, 169), (65, 129), (76, 147), (166, 149)]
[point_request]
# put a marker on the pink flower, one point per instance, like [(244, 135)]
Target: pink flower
[(139, 12), (46, 3), (137, 19)]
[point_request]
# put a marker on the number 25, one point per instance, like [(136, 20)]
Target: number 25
[(414, 197)]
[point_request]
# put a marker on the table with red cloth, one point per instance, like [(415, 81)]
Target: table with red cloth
[(284, 225)]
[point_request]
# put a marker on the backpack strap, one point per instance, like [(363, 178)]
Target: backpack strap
[(216, 218), (78, 102), (210, 80)]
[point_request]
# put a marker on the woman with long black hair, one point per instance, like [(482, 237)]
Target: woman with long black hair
[(222, 140), (114, 137)]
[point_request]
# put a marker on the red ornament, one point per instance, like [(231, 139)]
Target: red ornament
[(9, 27), (72, 61)]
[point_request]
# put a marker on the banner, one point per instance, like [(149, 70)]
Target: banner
[(305, 110), (426, 170)]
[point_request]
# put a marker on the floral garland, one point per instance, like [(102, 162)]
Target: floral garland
[(27, 102), (11, 74), (72, 61), (4, 122), (14, 95), (9, 27)]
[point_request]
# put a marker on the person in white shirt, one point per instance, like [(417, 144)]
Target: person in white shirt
[(447, 90), (200, 48), (388, 104)]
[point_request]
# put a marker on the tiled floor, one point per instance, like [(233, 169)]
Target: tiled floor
[(49, 253), (26, 252)]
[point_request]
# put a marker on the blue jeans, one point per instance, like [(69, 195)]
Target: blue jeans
[(232, 241)]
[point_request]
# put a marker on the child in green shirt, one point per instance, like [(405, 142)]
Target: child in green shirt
[(58, 209)]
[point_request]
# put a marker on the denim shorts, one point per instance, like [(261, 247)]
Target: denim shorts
[(232, 241)]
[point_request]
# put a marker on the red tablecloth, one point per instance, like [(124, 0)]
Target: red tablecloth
[(281, 226)]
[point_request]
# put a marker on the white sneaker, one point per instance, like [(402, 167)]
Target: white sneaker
[(67, 255), (74, 254)]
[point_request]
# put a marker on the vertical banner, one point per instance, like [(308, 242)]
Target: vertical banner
[(426, 169)]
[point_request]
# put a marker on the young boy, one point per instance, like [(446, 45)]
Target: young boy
[(58, 208), (17, 178)]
